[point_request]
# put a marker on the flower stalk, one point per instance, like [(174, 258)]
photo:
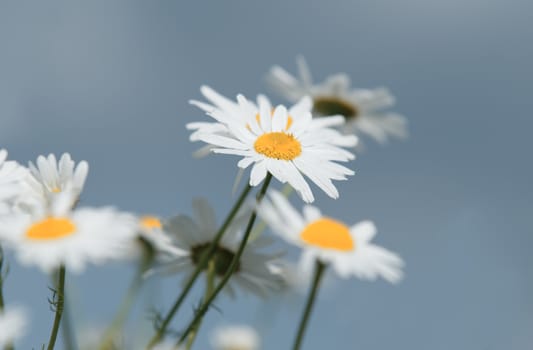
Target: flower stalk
[(319, 271), (206, 256), (59, 303), (234, 263)]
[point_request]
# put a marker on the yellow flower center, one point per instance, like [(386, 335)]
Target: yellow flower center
[(328, 234), (326, 105), (56, 190), (278, 145), (51, 228), (150, 222)]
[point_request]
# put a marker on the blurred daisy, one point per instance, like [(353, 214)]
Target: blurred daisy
[(153, 239), (72, 238), (11, 178), (362, 108), (347, 249), (13, 324), (287, 144), (49, 178), (236, 337), (194, 235)]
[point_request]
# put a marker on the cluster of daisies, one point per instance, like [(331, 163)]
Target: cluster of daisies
[(305, 144)]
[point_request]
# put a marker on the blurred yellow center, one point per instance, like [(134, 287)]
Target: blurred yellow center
[(328, 234), (150, 222), (56, 190), (278, 145), (51, 228)]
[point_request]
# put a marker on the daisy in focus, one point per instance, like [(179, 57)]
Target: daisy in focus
[(11, 177), (49, 178), (362, 108), (286, 143), (236, 337), (194, 236), (58, 236), (13, 324), (348, 250)]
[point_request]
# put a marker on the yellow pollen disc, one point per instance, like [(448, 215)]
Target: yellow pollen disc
[(328, 234), (51, 228), (150, 222), (56, 190), (278, 145)]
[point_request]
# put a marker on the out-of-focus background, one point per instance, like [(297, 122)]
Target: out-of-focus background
[(109, 81)]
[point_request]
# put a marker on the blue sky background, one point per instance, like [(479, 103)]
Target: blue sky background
[(109, 81)]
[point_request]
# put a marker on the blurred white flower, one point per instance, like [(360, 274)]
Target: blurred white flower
[(68, 237), (362, 108), (49, 178), (287, 144), (347, 249), (12, 176), (153, 240), (194, 236), (235, 337), (13, 324)]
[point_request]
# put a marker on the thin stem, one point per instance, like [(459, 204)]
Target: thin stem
[(209, 287), (234, 263), (8, 346), (319, 270), (126, 305), (199, 268), (1, 280), (69, 340), (261, 226), (59, 307)]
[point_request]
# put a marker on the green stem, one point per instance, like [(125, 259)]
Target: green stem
[(209, 287), (319, 270), (261, 226), (8, 346), (125, 306), (199, 268), (234, 263), (1, 280), (69, 340), (59, 307)]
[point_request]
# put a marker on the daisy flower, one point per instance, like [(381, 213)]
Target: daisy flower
[(347, 249), (49, 178), (194, 236), (235, 337), (11, 178), (73, 238), (286, 143), (362, 108), (13, 324), (153, 239)]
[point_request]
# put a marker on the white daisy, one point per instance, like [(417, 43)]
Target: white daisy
[(13, 324), (153, 239), (362, 108), (235, 337), (194, 235), (347, 249), (60, 236), (222, 105), (11, 177), (287, 144), (49, 178)]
